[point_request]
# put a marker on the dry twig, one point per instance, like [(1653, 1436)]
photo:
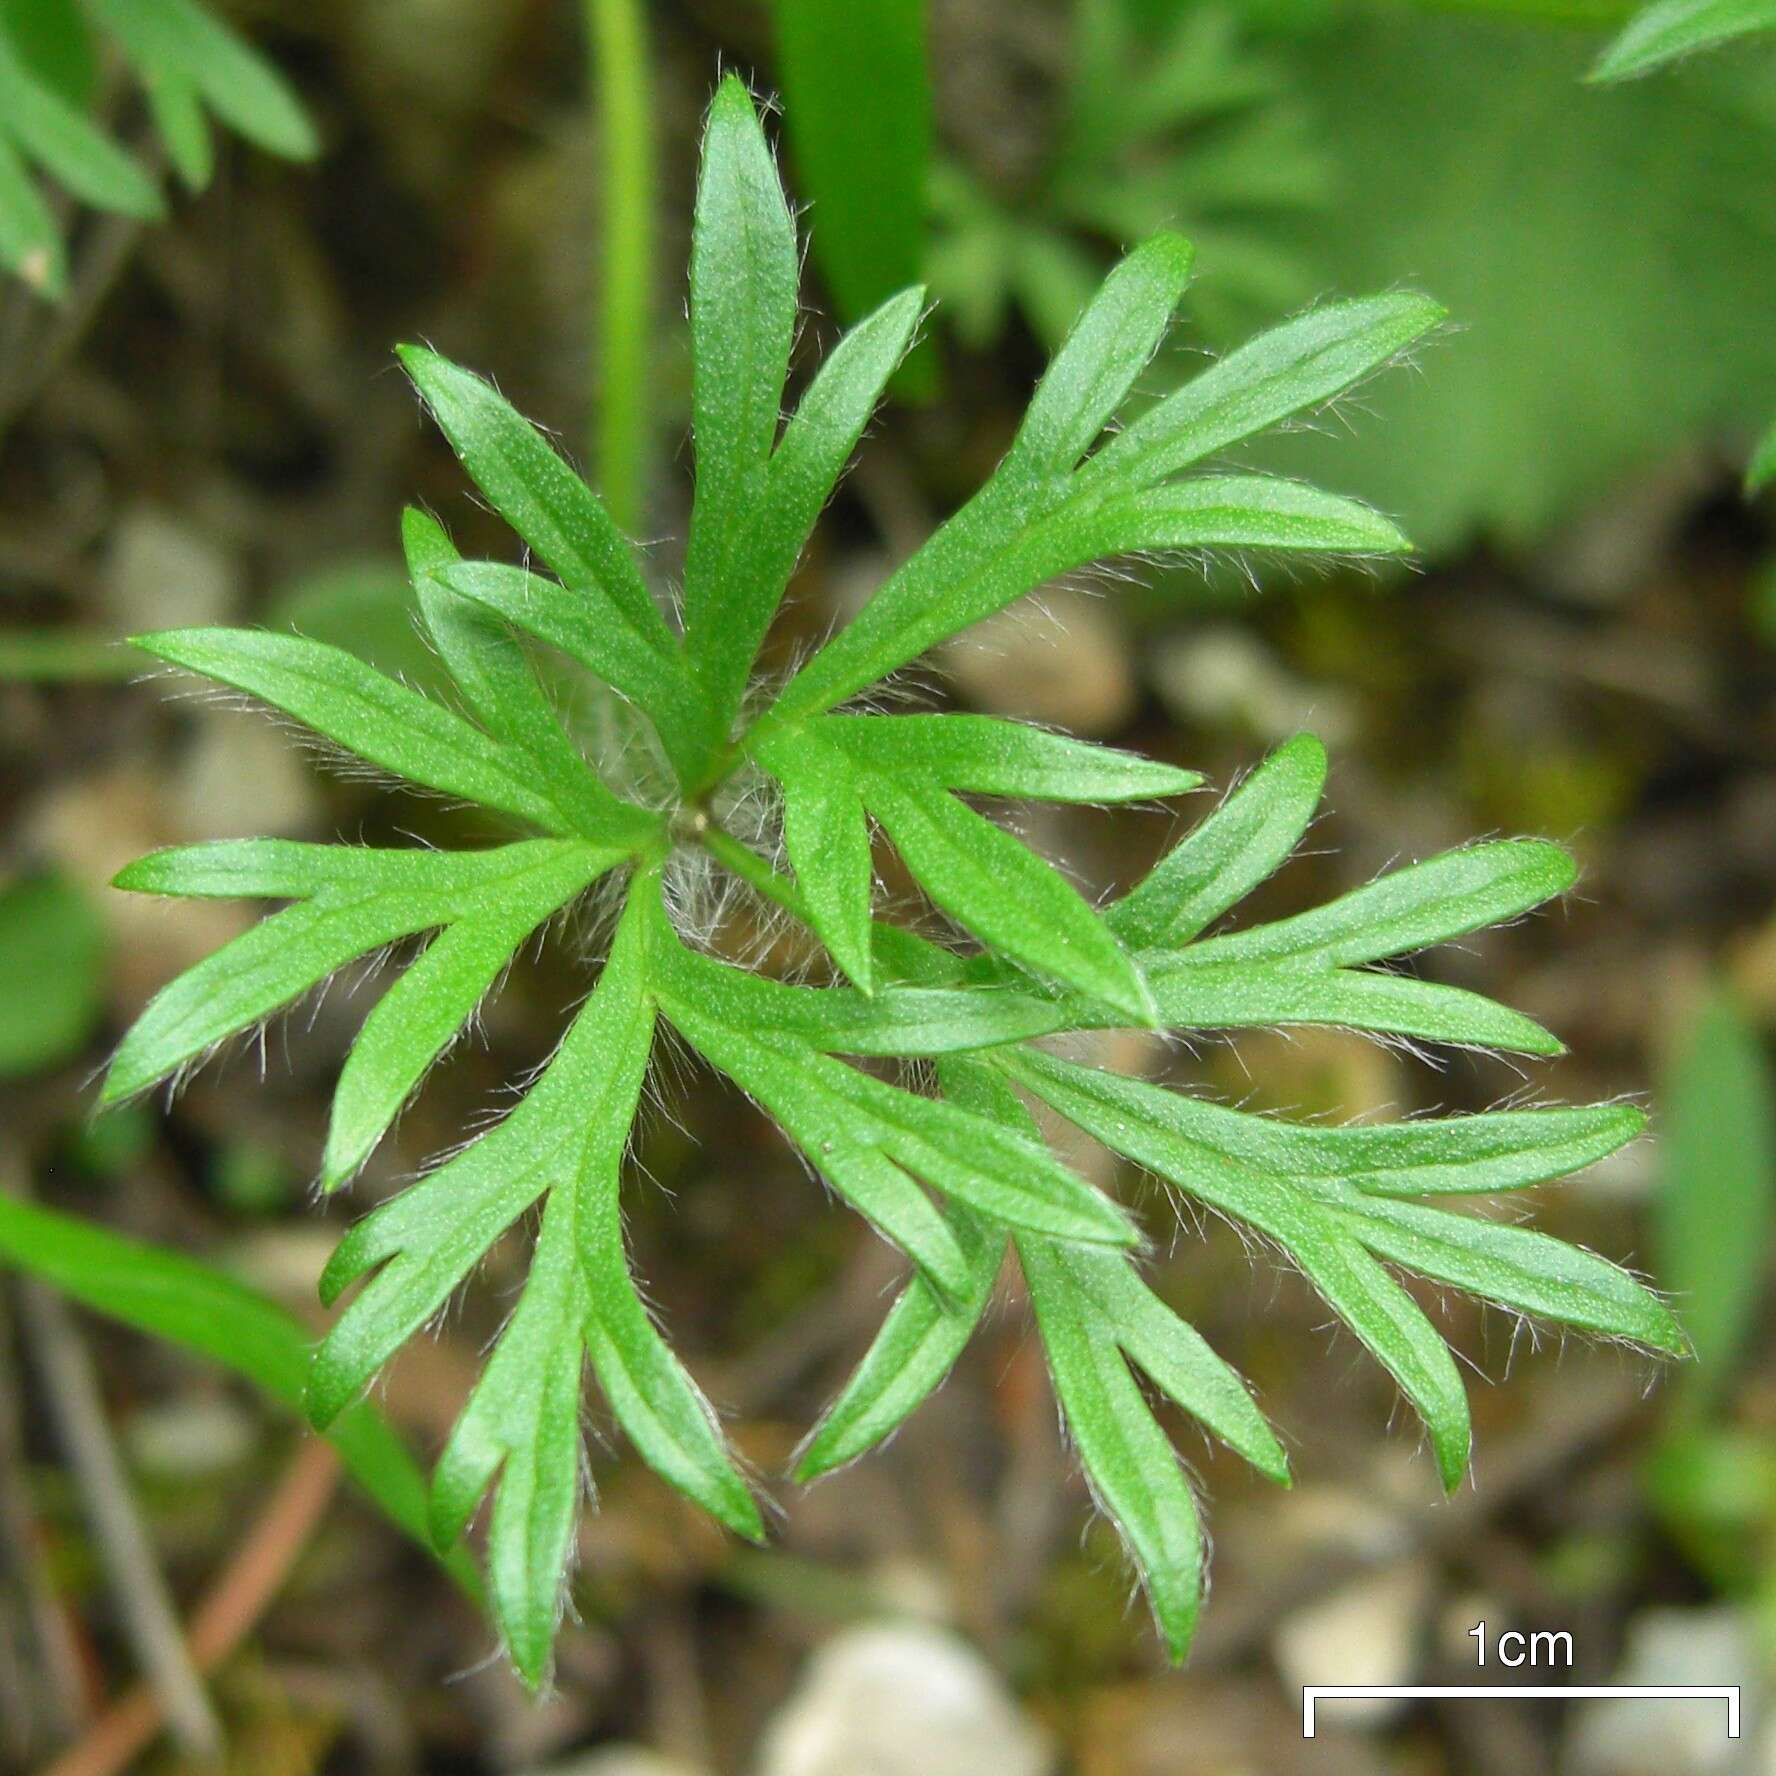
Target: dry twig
[(226, 1614)]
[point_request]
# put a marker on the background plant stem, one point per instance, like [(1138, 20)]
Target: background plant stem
[(617, 70)]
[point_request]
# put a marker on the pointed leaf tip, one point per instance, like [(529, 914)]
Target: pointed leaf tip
[(732, 90)]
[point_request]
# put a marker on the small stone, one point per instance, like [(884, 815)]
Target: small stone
[(285, 1261), (189, 1439), (1320, 1518), (1061, 658), (163, 573), (1636, 1736), (618, 1760), (1223, 678), (1371, 1632), (90, 827), (898, 1699), (242, 779)]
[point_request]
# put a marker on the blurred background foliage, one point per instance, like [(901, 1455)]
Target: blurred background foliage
[(217, 221)]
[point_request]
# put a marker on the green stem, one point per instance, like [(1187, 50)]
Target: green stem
[(754, 870), (617, 66)]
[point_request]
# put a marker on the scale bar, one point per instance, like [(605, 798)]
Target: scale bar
[(1313, 1694)]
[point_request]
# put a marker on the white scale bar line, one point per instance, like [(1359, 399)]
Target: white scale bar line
[(1312, 1694)]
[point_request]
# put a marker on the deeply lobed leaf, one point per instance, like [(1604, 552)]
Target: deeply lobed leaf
[(1039, 517), (1329, 1226), (383, 722), (957, 1178), (350, 903)]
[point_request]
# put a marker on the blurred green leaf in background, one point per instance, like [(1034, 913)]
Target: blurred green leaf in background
[(1564, 228), (1717, 1201), (1712, 1474), (202, 1309), (367, 607), (1173, 121), (52, 961), (858, 113)]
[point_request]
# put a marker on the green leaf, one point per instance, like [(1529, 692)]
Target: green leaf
[(802, 473), (982, 755), (871, 1140), (1246, 995), (588, 627), (53, 40), (924, 1332), (1518, 1268), (661, 1410), (417, 1019), (1762, 469), (1144, 1123), (29, 241), (1215, 866), (523, 1420), (998, 547), (1018, 531), (826, 835), (993, 885), (1717, 1194), (917, 1346), (1290, 1185), (568, 1133), (1075, 1288), (354, 706), (1296, 971), (529, 485), (1591, 348), (1439, 1156), (1110, 345), (565, 1141), (1090, 1308), (350, 902), (1172, 1353), (51, 132), (896, 1020), (489, 666), (522, 1423), (1407, 909), (901, 768), (1301, 969), (176, 103), (743, 310), (52, 956), (1292, 369), (1360, 1172), (1131, 1464), (1669, 29), (826, 425), (870, 1160), (174, 1297), (559, 516), (1393, 1329), (1236, 512)]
